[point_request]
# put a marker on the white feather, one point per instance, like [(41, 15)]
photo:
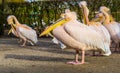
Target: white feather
[(30, 34), (114, 31), (82, 3), (86, 35)]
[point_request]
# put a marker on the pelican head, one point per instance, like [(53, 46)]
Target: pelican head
[(67, 10), (99, 15), (67, 16), (10, 19), (70, 15), (103, 8), (83, 3), (85, 11), (63, 14)]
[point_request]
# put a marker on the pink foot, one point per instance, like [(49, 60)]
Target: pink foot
[(75, 63)]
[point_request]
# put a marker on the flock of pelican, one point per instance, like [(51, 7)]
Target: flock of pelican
[(68, 31)]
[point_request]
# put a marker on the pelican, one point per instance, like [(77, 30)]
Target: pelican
[(78, 36), (97, 26), (24, 32), (112, 26)]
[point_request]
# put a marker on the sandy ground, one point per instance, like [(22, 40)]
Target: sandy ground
[(46, 57)]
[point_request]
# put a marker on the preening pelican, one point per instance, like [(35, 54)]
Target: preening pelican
[(78, 36), (97, 26), (24, 32)]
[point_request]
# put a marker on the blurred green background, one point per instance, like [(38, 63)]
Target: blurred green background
[(41, 13)]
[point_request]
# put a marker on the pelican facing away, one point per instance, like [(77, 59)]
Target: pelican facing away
[(97, 26), (24, 32), (78, 36)]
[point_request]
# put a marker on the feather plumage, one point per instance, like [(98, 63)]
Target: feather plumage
[(29, 34), (22, 31)]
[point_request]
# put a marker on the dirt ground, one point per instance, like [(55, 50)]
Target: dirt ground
[(46, 57)]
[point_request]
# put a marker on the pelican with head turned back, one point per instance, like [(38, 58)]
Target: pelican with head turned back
[(97, 26), (26, 33), (112, 26), (78, 36)]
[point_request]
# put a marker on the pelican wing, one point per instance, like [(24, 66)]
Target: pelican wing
[(114, 31), (80, 36), (118, 29), (85, 34), (103, 31), (30, 34)]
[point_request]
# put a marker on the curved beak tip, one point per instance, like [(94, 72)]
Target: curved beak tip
[(9, 31), (40, 35)]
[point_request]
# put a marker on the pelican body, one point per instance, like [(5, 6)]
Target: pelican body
[(112, 26), (78, 36), (26, 33), (97, 26)]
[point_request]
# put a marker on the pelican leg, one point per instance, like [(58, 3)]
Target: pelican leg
[(83, 57), (24, 41), (116, 48), (93, 53), (76, 62), (112, 43), (119, 48)]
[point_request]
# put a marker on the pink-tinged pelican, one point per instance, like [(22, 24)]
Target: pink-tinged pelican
[(78, 36), (24, 32), (97, 26), (112, 26)]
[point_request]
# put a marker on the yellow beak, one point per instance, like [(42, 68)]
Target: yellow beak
[(50, 28), (84, 16), (96, 19), (10, 31), (12, 28)]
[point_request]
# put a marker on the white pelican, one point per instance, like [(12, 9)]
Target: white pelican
[(24, 32), (112, 26), (97, 26), (78, 36)]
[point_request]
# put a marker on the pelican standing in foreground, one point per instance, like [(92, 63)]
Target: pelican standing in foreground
[(24, 32), (97, 26), (78, 36)]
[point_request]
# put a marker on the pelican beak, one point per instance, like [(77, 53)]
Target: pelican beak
[(50, 28), (13, 25), (96, 19), (84, 15), (10, 31)]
